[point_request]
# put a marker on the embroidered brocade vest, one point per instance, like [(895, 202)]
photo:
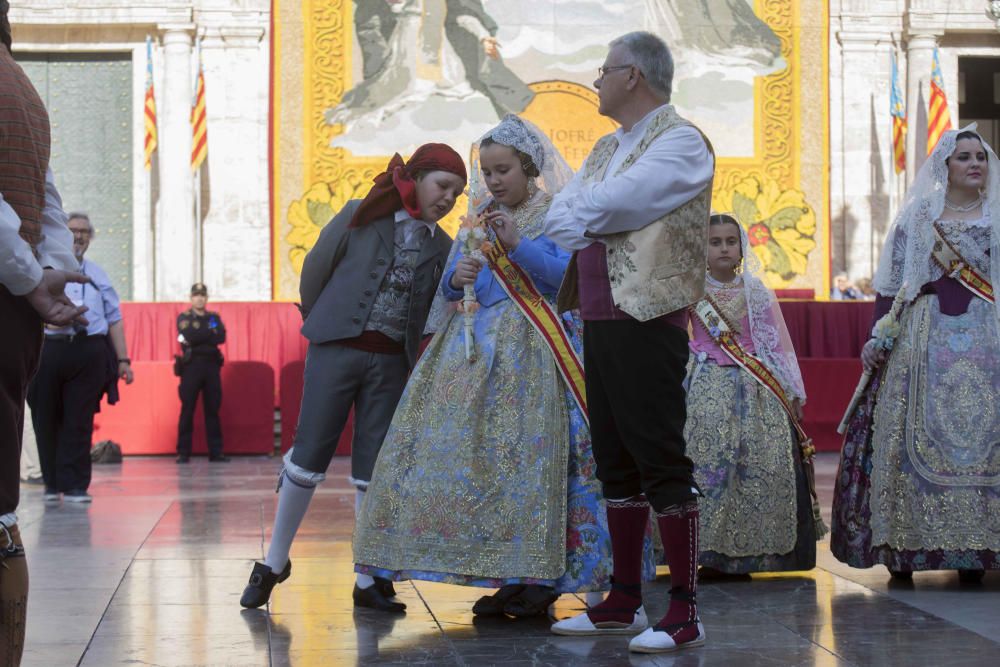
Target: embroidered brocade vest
[(660, 268), (391, 309), (24, 147)]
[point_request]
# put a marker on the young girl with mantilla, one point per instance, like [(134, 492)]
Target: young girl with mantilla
[(757, 511)]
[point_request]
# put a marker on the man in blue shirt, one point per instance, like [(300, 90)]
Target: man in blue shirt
[(73, 374)]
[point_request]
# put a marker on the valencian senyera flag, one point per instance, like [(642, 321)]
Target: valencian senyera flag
[(199, 124), (938, 117), (149, 108), (898, 110)]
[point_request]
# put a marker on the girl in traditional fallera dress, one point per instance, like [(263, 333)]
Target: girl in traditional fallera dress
[(919, 480), (757, 510), (486, 476)]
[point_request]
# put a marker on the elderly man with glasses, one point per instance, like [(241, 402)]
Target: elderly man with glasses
[(636, 217), (79, 363)]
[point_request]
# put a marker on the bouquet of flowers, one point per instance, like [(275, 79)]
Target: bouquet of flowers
[(884, 335), (472, 237)]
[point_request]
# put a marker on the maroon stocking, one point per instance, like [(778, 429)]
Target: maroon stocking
[(679, 530), (627, 524)]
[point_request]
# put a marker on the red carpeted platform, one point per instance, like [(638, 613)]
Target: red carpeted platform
[(144, 421), (829, 384), (827, 336)]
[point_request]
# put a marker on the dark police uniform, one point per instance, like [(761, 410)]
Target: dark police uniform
[(201, 365)]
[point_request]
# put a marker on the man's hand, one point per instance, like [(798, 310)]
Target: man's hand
[(125, 371), (491, 47), (50, 301)]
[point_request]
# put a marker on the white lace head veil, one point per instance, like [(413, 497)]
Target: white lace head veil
[(772, 344), (524, 136), (906, 255), (553, 171)]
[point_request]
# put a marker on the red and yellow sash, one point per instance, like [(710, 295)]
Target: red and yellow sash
[(522, 291), (952, 261), (714, 322)]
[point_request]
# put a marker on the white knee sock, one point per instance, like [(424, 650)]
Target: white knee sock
[(293, 501)]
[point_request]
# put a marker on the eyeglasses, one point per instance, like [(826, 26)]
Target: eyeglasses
[(601, 71), (80, 232)]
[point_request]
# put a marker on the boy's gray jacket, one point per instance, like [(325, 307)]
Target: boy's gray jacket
[(343, 272)]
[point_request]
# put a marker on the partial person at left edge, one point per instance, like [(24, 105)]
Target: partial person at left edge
[(35, 265), (80, 364)]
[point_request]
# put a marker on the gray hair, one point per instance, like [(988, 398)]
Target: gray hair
[(77, 215), (652, 56)]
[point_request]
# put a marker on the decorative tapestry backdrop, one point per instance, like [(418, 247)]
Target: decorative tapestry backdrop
[(354, 81)]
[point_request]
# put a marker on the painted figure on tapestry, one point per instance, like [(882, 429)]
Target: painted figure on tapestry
[(757, 509), (486, 477), (919, 481)]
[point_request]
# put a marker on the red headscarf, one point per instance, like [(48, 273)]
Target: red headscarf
[(395, 188)]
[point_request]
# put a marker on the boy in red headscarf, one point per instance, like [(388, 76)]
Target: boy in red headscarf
[(366, 292)]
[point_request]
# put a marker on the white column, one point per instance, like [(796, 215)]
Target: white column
[(237, 232), (175, 229), (919, 58), (861, 207)]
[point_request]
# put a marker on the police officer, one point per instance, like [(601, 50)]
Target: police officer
[(200, 332)]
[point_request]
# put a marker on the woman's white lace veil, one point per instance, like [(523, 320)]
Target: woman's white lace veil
[(772, 344), (554, 174), (906, 254)]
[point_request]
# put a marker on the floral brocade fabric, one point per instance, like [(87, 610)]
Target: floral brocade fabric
[(742, 445), (919, 481), (486, 476)]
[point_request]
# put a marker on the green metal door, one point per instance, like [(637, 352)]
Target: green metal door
[(89, 98)]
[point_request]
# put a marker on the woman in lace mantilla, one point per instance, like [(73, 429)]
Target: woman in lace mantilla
[(919, 480)]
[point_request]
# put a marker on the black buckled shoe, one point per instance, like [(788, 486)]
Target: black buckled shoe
[(372, 598), (262, 582), (385, 587), (532, 601), (493, 605)]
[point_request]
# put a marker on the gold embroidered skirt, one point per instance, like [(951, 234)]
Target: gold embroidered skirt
[(935, 478), (472, 476), (743, 448)]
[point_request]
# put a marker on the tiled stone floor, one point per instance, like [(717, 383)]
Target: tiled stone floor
[(152, 572)]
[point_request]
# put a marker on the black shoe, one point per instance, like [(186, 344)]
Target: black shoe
[(901, 575), (371, 597), (183, 458), (493, 605), (262, 582), (218, 458), (385, 587), (35, 481), (532, 601), (971, 576)]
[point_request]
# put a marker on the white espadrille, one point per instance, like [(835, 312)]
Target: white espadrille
[(581, 625), (658, 641)]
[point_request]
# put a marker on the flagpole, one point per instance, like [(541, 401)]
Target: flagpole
[(199, 256), (198, 241), (150, 204)]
